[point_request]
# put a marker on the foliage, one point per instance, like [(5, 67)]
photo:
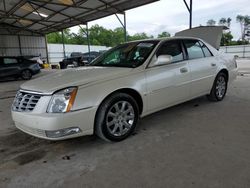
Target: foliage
[(98, 35), (211, 22), (244, 24), (226, 39), (225, 22), (139, 36), (164, 34)]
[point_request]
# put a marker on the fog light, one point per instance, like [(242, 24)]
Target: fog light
[(63, 132)]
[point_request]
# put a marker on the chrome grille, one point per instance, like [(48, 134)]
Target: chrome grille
[(25, 102)]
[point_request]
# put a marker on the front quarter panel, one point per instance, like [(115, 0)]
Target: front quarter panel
[(93, 95)]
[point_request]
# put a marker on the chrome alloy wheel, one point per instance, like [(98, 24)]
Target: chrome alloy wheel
[(221, 87), (120, 118)]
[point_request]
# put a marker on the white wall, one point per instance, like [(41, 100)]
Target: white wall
[(30, 45), (242, 51), (36, 45), (55, 51)]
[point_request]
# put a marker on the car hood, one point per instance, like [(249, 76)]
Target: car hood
[(73, 77)]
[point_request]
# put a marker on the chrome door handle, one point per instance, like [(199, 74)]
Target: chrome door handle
[(183, 70), (213, 64)]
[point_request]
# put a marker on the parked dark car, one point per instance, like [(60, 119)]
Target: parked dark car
[(79, 59), (18, 67)]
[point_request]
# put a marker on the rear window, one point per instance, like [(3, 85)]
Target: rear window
[(8, 61), (193, 49), (206, 50)]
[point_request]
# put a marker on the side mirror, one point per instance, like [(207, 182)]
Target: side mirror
[(164, 60)]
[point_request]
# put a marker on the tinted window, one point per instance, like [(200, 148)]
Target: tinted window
[(193, 49), (172, 48), (131, 55), (8, 61), (205, 50)]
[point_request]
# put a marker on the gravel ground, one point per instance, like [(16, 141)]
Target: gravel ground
[(195, 144)]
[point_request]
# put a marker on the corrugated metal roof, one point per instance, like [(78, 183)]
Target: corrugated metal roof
[(46, 16)]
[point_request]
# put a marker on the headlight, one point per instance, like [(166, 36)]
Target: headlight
[(62, 101)]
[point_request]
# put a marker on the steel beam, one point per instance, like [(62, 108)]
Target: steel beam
[(19, 44), (124, 25), (87, 27), (64, 53), (190, 10)]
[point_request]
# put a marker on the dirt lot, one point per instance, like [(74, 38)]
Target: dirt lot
[(195, 144)]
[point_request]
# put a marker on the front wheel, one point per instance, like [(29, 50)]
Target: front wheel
[(219, 89), (117, 117), (26, 74)]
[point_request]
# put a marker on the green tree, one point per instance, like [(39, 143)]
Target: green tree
[(225, 22), (54, 38), (98, 35), (164, 34), (211, 22), (244, 24), (226, 39), (139, 36), (57, 37), (118, 36)]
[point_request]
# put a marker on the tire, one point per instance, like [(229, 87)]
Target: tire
[(117, 117), (219, 89), (26, 74)]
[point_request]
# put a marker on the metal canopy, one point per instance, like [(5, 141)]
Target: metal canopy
[(41, 17)]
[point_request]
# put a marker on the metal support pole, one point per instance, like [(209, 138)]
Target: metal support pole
[(64, 53), (20, 47), (124, 25), (244, 51), (190, 10), (47, 52), (87, 27), (125, 28), (191, 14)]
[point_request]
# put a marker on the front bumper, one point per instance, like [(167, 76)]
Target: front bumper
[(37, 124), (233, 75)]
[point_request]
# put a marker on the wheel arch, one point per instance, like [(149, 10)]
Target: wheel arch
[(225, 71), (132, 92)]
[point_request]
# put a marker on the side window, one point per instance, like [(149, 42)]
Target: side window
[(205, 50), (193, 49), (8, 61), (172, 48)]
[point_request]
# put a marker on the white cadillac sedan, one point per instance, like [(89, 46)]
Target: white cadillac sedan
[(129, 81)]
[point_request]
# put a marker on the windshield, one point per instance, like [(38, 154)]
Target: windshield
[(126, 55)]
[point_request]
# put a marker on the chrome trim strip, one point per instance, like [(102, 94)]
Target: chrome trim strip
[(82, 109), (35, 92)]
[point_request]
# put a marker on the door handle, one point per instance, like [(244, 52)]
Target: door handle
[(213, 64), (183, 70)]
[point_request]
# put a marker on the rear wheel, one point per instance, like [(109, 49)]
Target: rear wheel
[(219, 89), (26, 74), (117, 117)]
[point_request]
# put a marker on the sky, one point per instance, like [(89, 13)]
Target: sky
[(172, 16)]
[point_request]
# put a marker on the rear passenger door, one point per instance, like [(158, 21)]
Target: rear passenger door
[(202, 66)]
